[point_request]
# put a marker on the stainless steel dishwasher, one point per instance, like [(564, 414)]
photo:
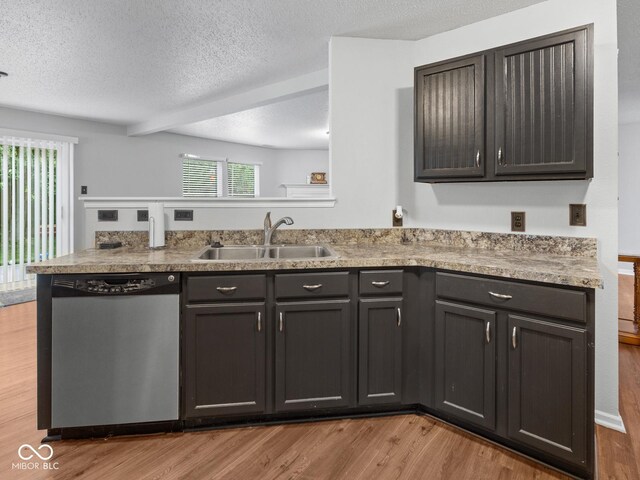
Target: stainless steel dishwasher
[(114, 349)]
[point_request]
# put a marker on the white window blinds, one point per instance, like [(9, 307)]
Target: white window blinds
[(219, 178), (242, 180), (201, 178), (36, 205)]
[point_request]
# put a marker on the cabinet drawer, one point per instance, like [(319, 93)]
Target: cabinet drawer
[(226, 287), (381, 282), (312, 285), (550, 301)]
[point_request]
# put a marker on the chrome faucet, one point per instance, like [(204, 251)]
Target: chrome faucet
[(269, 229)]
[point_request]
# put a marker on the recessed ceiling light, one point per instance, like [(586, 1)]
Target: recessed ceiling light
[(3, 74)]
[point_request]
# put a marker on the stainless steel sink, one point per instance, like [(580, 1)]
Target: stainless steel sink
[(300, 251), (259, 252), (250, 252)]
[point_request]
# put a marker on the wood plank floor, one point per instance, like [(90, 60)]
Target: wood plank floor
[(398, 447)]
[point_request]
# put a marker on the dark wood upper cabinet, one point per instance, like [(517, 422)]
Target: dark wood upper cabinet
[(541, 106), (380, 351), (312, 355), (465, 363), (450, 119), (519, 112), (225, 360), (548, 387)]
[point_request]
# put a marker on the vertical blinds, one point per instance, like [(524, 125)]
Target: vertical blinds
[(210, 178), (35, 205)]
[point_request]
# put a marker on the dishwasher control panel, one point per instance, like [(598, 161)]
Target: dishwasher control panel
[(116, 284), (102, 286)]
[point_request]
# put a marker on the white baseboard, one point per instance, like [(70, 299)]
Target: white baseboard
[(625, 271), (610, 421)]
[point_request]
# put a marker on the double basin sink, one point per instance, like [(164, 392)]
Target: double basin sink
[(260, 252)]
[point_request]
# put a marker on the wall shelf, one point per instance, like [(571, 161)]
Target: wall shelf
[(307, 190), (181, 202)]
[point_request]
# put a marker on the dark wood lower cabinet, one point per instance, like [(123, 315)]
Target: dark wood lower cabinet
[(312, 355), (548, 387), (380, 351), (224, 360), (465, 363), (512, 361)]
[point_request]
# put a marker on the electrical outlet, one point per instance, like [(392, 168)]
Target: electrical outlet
[(83, 190), (143, 215), (395, 221), (578, 215), (518, 221), (183, 215), (107, 215)]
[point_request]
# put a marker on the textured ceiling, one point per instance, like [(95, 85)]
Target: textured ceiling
[(629, 60), (301, 122), (124, 61)]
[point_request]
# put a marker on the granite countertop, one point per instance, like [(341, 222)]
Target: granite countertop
[(539, 267)]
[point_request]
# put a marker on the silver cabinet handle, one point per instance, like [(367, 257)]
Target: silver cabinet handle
[(514, 339), (399, 317), (226, 289), (487, 332), (478, 159), (259, 321), (500, 157), (501, 296), (281, 321), (311, 288), (380, 284)]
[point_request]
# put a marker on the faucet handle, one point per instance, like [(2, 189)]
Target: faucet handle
[(267, 221)]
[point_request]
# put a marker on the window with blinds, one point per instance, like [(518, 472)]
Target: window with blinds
[(36, 205), (219, 178), (201, 178), (242, 179)]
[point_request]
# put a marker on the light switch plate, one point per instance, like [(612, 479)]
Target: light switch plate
[(578, 215), (518, 221)]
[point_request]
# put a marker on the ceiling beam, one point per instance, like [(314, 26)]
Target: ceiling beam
[(275, 92)]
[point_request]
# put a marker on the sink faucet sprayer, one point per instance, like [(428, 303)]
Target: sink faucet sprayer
[(269, 229)]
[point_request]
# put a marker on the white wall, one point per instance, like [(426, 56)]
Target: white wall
[(293, 166), (629, 209), (371, 102), (629, 193)]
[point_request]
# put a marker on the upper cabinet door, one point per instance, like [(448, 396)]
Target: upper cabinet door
[(543, 107), (450, 119)]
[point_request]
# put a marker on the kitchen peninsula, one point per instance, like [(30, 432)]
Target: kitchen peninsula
[(491, 332)]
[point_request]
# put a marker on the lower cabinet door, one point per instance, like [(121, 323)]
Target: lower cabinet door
[(225, 360), (548, 387), (312, 354), (465, 363), (380, 351)]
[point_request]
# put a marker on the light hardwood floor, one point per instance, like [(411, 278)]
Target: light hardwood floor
[(399, 447)]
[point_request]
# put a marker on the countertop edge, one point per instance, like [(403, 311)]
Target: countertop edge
[(222, 266)]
